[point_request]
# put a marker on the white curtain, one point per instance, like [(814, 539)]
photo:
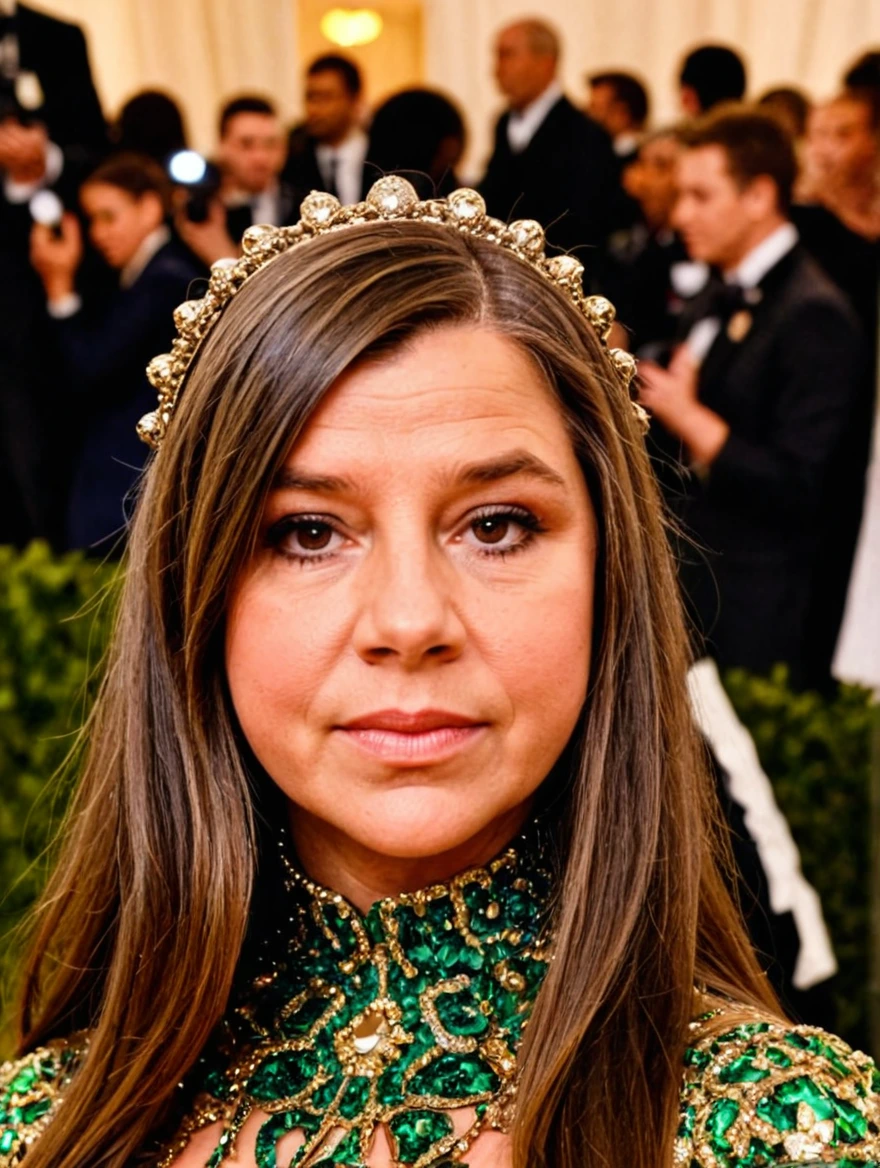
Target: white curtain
[(205, 50), (803, 42), (202, 51)]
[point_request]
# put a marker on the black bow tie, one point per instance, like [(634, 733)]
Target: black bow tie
[(726, 299)]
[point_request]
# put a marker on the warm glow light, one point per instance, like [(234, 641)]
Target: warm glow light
[(351, 26)]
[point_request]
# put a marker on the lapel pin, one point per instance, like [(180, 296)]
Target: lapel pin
[(739, 324)]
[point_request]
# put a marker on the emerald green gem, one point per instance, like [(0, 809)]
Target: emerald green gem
[(24, 1081), (721, 1115), (416, 1132), (460, 1013), (304, 1019), (742, 1070), (32, 1111), (8, 1141), (454, 1076), (285, 1074), (355, 1099)]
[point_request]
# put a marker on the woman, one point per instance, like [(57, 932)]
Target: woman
[(105, 344), (393, 844)]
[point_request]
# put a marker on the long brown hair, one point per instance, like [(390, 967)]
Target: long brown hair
[(142, 924)]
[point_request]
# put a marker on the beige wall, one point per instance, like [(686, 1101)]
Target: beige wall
[(201, 51), (395, 61)]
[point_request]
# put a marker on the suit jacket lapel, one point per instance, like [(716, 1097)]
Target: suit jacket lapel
[(724, 350)]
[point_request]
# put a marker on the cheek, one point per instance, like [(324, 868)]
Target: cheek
[(275, 660), (538, 644)]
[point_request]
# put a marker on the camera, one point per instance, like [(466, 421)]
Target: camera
[(199, 178)]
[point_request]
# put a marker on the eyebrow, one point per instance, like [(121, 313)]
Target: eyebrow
[(493, 470), (516, 462)]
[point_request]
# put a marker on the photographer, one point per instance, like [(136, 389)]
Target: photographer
[(106, 347), (250, 156), (50, 126)]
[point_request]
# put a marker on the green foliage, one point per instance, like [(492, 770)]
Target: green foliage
[(54, 620), (53, 627), (817, 753)]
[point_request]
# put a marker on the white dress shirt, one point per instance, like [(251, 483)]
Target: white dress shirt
[(626, 143), (522, 125), (748, 274), (343, 166)]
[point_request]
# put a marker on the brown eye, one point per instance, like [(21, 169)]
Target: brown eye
[(491, 528), (313, 537)]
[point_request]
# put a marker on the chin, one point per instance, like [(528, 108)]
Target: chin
[(422, 823)]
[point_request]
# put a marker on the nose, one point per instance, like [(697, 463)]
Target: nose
[(408, 612)]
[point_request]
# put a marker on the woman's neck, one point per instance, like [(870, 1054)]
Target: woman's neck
[(364, 875)]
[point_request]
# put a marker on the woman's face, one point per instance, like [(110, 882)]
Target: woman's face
[(409, 650)]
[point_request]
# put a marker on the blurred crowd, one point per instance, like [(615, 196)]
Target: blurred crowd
[(740, 246)]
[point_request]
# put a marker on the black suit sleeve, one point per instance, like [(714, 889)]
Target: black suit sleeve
[(79, 120), (491, 186), (95, 351), (819, 365), (593, 190)]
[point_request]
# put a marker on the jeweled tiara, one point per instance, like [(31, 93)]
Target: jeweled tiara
[(390, 198)]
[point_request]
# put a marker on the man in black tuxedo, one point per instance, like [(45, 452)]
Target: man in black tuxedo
[(550, 161), (51, 129), (328, 151), (756, 401), (250, 155)]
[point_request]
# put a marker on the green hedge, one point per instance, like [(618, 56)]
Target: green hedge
[(54, 617), (818, 755)]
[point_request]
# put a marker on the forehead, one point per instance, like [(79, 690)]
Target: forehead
[(850, 114), (515, 38), (660, 152), (100, 196), (251, 125), (452, 392), (326, 83), (705, 164)]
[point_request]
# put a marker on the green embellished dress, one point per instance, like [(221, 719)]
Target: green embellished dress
[(411, 1016)]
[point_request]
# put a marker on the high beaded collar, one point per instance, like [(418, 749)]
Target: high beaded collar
[(397, 1017)]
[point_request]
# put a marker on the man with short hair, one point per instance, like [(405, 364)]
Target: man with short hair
[(756, 401), (250, 155), (709, 76), (619, 103), (843, 159), (651, 276), (550, 161), (327, 152)]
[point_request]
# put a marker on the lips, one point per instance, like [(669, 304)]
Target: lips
[(407, 739), (402, 722)]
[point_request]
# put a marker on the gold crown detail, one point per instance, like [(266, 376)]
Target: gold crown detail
[(390, 198)]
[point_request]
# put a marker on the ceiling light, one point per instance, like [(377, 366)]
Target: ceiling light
[(351, 26)]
